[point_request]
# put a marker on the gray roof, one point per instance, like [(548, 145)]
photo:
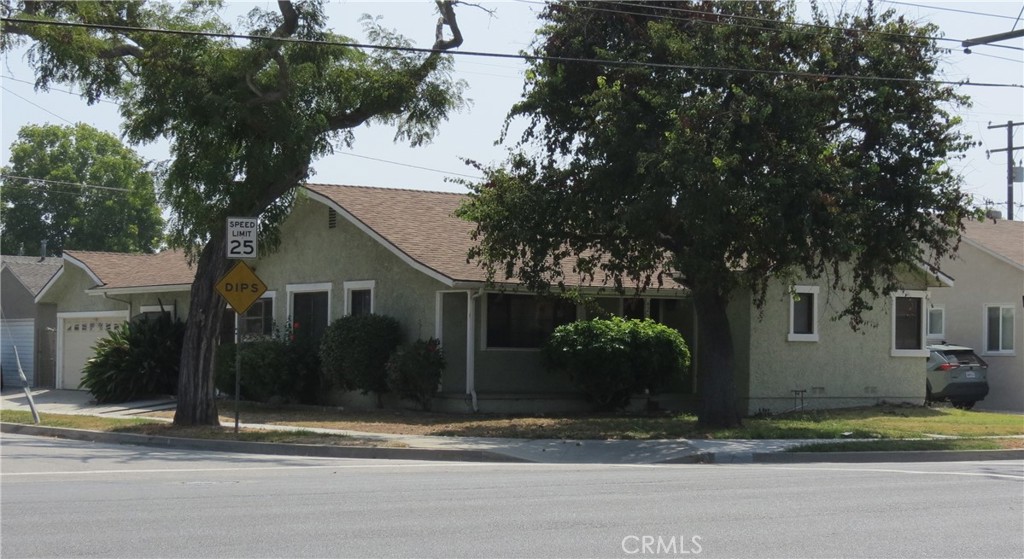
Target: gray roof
[(32, 271)]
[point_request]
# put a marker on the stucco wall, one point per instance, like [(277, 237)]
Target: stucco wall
[(843, 368), (310, 252), (15, 300), (982, 279)]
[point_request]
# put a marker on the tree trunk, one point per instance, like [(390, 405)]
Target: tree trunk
[(718, 406), (196, 403)]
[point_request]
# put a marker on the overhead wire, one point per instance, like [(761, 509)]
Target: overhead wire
[(612, 63), (64, 183)]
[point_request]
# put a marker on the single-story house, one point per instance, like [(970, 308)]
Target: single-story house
[(95, 291), (348, 250), (27, 330), (984, 310)]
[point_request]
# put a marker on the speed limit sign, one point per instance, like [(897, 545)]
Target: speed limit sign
[(242, 237)]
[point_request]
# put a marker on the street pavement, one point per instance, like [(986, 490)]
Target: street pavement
[(530, 450)]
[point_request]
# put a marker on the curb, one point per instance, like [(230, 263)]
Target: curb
[(245, 447), (855, 457)]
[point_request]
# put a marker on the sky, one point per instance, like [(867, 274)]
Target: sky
[(496, 84)]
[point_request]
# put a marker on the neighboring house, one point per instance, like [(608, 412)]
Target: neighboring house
[(25, 325), (351, 250), (95, 291), (985, 308)]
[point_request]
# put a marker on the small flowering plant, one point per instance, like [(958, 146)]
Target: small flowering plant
[(414, 373)]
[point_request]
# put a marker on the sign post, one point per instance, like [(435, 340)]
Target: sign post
[(240, 286)]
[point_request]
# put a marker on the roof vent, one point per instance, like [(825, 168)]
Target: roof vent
[(332, 218)]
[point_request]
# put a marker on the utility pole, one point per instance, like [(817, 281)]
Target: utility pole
[(1009, 149)]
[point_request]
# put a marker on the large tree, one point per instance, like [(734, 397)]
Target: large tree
[(246, 117), (77, 187), (729, 144)]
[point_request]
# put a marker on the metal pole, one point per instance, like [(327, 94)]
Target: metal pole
[(238, 368), (1009, 170)]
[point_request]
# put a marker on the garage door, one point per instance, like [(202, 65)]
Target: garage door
[(17, 333), (78, 341)]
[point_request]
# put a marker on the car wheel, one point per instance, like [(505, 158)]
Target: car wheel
[(928, 393)]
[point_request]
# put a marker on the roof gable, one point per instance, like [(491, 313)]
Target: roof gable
[(1001, 238), (32, 271), (115, 270)]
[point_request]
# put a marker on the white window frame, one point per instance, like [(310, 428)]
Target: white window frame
[(984, 329), (143, 309), (272, 295), (796, 291), (941, 334), (292, 288), (923, 351), (349, 286)]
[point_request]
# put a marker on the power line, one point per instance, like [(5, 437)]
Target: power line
[(939, 8), (68, 91), (563, 59), (408, 165), (752, 18), (1017, 60), (65, 183), (36, 105)]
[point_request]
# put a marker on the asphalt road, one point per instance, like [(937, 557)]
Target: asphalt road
[(73, 499)]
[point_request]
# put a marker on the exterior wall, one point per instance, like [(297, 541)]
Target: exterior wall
[(843, 368), (982, 279), (17, 302), (310, 252)]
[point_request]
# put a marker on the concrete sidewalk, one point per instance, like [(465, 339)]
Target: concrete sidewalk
[(519, 450)]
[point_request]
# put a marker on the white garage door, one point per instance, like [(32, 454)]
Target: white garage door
[(17, 333), (78, 341)]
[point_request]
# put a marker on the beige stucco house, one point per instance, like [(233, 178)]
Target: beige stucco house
[(27, 330), (983, 310), (350, 250)]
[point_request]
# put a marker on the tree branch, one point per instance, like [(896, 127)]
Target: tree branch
[(447, 10), (120, 51), (288, 26)]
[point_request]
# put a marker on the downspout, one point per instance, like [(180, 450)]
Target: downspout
[(471, 347)]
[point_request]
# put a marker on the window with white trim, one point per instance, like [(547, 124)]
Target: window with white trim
[(803, 313), (359, 298), (908, 324), (999, 329), (936, 323), (309, 309)]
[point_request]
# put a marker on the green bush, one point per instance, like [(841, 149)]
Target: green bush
[(273, 368), (355, 350), (610, 360), (138, 359), (415, 372)]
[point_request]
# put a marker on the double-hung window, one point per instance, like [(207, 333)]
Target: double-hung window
[(999, 329), (908, 324), (803, 313)]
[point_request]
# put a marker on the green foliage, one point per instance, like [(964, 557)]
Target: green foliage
[(415, 372), (354, 351), (278, 369), (610, 360), (121, 215), (245, 119), (138, 359), (828, 161)]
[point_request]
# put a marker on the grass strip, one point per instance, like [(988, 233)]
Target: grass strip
[(905, 445)]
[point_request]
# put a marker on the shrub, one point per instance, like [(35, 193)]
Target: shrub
[(355, 349), (138, 359), (277, 367), (415, 372), (610, 360)]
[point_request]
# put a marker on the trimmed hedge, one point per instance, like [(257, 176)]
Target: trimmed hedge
[(138, 359), (354, 351), (609, 360), (415, 372), (274, 369)]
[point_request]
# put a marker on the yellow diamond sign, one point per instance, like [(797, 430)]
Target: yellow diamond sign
[(241, 288)]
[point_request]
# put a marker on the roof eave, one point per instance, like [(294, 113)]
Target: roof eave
[(140, 289)]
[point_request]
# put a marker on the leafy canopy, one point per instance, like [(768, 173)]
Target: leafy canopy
[(77, 187), (726, 151)]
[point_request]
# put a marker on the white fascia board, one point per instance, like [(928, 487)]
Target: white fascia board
[(176, 288), (48, 285), (415, 264), (992, 253)]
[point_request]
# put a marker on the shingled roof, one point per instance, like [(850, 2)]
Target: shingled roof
[(418, 225), (116, 270), (32, 271), (1003, 238)]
